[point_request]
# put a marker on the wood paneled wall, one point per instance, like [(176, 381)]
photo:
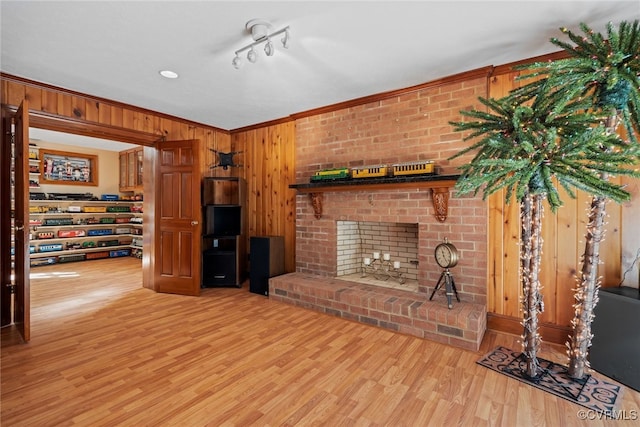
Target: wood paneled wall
[(66, 111), (563, 245), (268, 159)]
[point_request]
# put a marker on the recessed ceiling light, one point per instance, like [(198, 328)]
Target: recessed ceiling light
[(169, 74)]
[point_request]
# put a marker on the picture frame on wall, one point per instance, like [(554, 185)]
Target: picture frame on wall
[(67, 168)]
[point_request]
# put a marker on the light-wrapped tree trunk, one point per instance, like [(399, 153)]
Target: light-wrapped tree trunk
[(531, 210), (586, 294)]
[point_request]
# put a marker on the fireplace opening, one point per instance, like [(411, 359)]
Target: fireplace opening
[(378, 253)]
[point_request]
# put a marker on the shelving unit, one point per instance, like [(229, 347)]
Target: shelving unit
[(34, 174), (77, 230), (223, 240)]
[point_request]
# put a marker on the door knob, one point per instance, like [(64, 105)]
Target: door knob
[(194, 222)]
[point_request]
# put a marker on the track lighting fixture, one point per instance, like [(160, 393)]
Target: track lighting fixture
[(260, 33)]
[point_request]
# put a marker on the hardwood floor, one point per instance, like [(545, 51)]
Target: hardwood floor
[(105, 352)]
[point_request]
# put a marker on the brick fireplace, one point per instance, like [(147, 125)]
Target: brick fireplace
[(411, 126), (465, 227), (315, 284)]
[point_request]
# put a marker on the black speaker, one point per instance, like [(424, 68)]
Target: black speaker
[(615, 348), (266, 258)]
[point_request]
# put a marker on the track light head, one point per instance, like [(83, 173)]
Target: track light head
[(237, 62), (269, 50), (285, 39), (252, 56)]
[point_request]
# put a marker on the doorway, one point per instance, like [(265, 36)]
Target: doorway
[(166, 251), (85, 198), (51, 239)]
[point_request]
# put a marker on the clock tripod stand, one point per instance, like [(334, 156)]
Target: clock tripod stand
[(446, 278)]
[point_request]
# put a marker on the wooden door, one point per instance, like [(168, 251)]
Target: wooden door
[(22, 308), (6, 215), (177, 264)]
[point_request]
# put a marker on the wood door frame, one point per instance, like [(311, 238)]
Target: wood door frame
[(16, 295), (22, 265), (41, 120)]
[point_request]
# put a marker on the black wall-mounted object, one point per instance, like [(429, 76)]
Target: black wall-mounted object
[(266, 259), (226, 160)]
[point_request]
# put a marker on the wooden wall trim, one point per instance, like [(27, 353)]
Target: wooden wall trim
[(58, 123), (549, 332), (56, 89), (507, 68), (468, 75), (262, 125)]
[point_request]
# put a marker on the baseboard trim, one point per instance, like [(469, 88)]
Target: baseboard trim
[(550, 333)]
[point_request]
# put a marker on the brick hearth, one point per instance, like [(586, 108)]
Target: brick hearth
[(398, 310)]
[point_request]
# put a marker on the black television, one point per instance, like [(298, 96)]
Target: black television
[(222, 220)]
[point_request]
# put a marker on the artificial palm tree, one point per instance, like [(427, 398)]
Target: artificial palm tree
[(526, 145), (604, 73)]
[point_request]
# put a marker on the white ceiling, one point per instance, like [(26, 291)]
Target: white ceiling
[(339, 50)]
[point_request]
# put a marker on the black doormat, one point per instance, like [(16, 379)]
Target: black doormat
[(589, 392)]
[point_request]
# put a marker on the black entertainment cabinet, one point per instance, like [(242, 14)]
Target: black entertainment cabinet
[(223, 240)]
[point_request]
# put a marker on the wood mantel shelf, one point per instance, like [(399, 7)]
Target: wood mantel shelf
[(439, 185)]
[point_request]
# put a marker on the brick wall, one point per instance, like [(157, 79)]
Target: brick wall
[(409, 127)]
